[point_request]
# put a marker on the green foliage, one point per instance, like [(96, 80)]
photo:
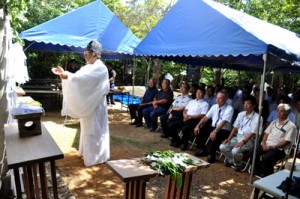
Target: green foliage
[(140, 17), (169, 163), (207, 76), (16, 9), (47, 9)]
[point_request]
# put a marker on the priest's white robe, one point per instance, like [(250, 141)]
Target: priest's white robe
[(84, 97)]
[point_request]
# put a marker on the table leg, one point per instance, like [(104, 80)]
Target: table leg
[(43, 180), (187, 180), (35, 180), (256, 193), (170, 188), (17, 182), (54, 180), (26, 182), (128, 101), (30, 182), (122, 101), (135, 189), (183, 192)]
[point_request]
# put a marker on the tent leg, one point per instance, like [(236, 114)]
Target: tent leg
[(260, 129)]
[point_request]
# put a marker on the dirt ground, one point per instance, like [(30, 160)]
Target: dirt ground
[(127, 141)]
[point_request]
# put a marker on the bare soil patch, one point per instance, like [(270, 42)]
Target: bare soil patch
[(127, 141)]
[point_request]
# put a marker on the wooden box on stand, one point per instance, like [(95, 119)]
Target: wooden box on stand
[(29, 124)]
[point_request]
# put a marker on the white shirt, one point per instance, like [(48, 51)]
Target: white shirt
[(225, 114), (181, 101), (277, 133), (246, 125), (196, 107)]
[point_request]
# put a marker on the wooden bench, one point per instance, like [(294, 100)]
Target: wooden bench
[(44, 87)]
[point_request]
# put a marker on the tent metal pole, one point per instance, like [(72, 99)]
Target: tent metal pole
[(260, 129), (290, 179), (133, 77), (29, 46)]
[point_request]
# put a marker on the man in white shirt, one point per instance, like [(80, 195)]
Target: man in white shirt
[(213, 135), (276, 141), (241, 137), (175, 114), (193, 112)]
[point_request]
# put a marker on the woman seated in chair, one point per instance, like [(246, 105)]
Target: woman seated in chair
[(241, 136)]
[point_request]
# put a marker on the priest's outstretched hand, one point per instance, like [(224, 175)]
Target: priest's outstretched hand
[(60, 72)]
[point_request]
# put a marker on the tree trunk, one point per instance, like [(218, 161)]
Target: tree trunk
[(238, 78), (156, 72), (218, 76), (3, 101), (280, 79)]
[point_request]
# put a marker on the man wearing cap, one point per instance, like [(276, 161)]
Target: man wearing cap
[(85, 98)]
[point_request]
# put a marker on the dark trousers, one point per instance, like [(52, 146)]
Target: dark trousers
[(174, 126), (133, 108), (202, 137), (213, 145), (188, 129), (150, 115), (266, 160), (164, 123), (110, 98)]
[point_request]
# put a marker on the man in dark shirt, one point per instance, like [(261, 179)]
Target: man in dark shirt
[(73, 66), (146, 102), (160, 105), (112, 77)]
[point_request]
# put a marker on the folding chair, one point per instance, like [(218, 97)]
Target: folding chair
[(168, 112), (287, 156)]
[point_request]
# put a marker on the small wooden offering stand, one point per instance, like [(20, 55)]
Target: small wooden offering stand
[(29, 124)]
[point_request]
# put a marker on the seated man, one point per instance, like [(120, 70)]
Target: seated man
[(277, 139), (176, 113), (160, 105), (296, 111), (241, 137), (194, 111), (213, 135), (146, 102), (210, 96), (283, 99)]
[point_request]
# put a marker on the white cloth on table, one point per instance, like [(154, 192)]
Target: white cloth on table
[(84, 97)]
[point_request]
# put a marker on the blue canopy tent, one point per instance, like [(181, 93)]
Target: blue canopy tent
[(71, 32), (207, 33), (203, 32)]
